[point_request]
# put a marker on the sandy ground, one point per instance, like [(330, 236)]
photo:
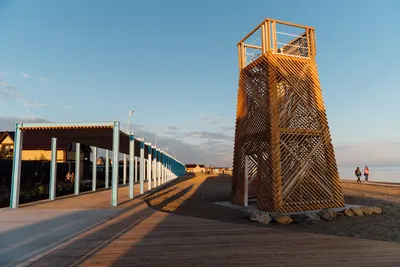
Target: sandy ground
[(194, 196)]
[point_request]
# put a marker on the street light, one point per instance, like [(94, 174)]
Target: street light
[(127, 132), (129, 120)]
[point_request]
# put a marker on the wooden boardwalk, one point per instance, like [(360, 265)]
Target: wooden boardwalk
[(34, 228), (141, 236), (144, 237)]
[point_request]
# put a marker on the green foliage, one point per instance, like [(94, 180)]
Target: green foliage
[(41, 190), (4, 154)]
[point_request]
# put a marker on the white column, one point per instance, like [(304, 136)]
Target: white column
[(107, 171), (124, 170), (94, 169), (149, 161), (246, 181), (162, 173), (115, 165), (162, 167), (158, 168), (16, 169), (145, 169), (53, 169), (141, 167), (168, 173), (153, 167), (131, 169), (77, 167), (159, 172), (136, 169)]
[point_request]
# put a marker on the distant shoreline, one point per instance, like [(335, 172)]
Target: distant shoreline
[(371, 182)]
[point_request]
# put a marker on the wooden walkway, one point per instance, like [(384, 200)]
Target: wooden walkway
[(141, 236)]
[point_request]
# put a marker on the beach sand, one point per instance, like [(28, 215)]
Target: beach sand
[(194, 196)]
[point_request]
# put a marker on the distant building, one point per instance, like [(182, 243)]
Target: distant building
[(37, 147), (195, 168), (101, 161)]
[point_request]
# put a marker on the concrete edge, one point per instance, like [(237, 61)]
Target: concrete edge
[(229, 205)]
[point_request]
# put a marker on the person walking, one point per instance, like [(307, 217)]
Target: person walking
[(366, 173), (358, 174)]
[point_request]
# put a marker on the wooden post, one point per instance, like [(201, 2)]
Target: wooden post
[(246, 181), (263, 39), (275, 42), (267, 26)]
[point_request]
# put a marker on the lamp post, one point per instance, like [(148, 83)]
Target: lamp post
[(127, 130)]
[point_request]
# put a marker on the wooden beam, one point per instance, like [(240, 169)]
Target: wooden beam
[(253, 46)]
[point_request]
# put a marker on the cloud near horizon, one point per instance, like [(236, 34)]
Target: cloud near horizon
[(8, 123), (11, 92), (378, 153)]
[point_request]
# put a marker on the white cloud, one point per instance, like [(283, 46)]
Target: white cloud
[(211, 119), (8, 123), (33, 104), (217, 153), (10, 91), (383, 152), (30, 76), (27, 75), (211, 135)]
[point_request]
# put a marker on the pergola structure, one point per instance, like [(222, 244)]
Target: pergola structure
[(283, 155), (106, 135)]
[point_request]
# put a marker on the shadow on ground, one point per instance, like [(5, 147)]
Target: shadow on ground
[(195, 196), (142, 236)]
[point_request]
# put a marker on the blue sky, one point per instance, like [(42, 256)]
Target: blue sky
[(175, 63)]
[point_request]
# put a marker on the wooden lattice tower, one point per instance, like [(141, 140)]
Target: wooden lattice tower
[(282, 139)]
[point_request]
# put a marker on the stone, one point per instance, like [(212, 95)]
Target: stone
[(376, 210), (274, 215), (348, 212), (283, 219), (339, 214), (367, 210), (298, 218), (306, 218), (261, 217), (311, 218), (327, 214), (248, 211), (357, 211)]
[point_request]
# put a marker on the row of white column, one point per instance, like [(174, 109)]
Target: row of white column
[(158, 170)]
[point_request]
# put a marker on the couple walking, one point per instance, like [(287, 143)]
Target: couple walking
[(358, 174)]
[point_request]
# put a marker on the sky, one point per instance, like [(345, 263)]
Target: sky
[(175, 64)]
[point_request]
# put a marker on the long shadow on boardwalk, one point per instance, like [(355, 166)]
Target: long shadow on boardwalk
[(217, 188), (145, 237), (19, 243)]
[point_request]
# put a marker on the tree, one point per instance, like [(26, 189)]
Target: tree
[(5, 154)]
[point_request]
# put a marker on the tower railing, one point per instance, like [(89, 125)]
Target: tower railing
[(274, 36)]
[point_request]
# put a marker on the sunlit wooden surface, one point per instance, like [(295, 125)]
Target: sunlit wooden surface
[(142, 236)]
